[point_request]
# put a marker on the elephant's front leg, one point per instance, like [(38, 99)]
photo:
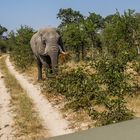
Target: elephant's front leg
[(39, 66), (46, 69)]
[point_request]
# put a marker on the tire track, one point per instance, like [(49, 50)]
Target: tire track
[(51, 117), (6, 118)]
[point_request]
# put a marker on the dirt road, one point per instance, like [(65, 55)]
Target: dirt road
[(52, 119), (6, 118)]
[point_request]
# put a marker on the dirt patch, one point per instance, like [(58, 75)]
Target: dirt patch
[(6, 118), (52, 119), (78, 120)]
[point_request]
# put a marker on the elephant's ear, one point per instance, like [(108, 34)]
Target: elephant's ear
[(40, 32)]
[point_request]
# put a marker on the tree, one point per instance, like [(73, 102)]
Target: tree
[(92, 26), (74, 39), (21, 51), (2, 30), (3, 41), (68, 16), (122, 28), (72, 31), (80, 33)]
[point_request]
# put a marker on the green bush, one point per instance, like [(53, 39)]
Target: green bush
[(21, 51), (136, 65), (107, 88), (22, 56), (3, 45)]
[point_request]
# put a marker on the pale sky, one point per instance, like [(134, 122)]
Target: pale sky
[(38, 13)]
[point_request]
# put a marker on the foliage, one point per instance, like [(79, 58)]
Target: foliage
[(107, 88), (71, 31), (119, 37), (80, 33), (3, 39), (92, 26), (136, 65), (2, 30), (20, 47), (122, 28), (76, 86), (74, 40), (112, 41), (3, 45), (68, 16), (111, 72)]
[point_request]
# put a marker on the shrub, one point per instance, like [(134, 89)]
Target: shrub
[(107, 88), (20, 50)]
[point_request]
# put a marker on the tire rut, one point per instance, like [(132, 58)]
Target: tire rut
[(6, 118), (52, 119)]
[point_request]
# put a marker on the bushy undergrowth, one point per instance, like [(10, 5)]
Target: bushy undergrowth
[(115, 40), (136, 65), (3, 45), (106, 88), (21, 51), (22, 56)]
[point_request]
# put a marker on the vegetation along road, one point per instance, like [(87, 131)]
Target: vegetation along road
[(50, 117), (98, 81)]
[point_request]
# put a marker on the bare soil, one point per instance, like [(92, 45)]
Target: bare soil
[(6, 118), (51, 117)]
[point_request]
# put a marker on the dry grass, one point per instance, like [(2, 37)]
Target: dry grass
[(27, 123), (133, 103), (71, 65), (32, 72), (78, 120)]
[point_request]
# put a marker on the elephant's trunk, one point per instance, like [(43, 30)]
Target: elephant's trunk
[(53, 53)]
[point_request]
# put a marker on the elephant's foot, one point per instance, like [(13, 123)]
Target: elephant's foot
[(39, 78), (52, 75)]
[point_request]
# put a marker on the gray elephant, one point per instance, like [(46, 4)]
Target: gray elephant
[(46, 45)]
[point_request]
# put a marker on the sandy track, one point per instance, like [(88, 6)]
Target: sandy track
[(52, 119), (6, 119)]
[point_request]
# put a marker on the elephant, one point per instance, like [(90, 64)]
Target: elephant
[(46, 45)]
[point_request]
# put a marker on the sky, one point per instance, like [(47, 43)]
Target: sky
[(40, 13)]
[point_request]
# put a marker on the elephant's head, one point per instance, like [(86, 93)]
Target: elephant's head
[(49, 46), (49, 40), (46, 44)]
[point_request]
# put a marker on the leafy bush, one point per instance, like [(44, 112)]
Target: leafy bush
[(20, 47), (136, 65), (117, 38), (107, 88), (111, 72), (110, 84), (3, 45), (22, 56)]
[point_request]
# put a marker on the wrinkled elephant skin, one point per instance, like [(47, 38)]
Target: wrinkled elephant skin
[(45, 46)]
